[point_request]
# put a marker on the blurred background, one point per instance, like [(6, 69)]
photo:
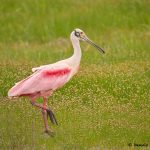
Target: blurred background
[(107, 104)]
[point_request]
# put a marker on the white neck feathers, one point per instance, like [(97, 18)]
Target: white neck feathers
[(76, 57)]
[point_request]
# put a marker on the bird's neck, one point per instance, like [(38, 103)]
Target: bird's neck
[(76, 57)]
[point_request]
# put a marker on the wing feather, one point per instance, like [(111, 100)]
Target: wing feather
[(47, 78)]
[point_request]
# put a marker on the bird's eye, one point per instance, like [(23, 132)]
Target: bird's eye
[(77, 34)]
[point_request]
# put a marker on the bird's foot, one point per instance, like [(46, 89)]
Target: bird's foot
[(51, 116), (49, 132)]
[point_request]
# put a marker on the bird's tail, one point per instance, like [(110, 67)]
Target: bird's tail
[(13, 92)]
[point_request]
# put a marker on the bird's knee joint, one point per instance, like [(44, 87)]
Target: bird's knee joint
[(43, 111)]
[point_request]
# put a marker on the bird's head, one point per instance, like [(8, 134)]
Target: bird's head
[(78, 33)]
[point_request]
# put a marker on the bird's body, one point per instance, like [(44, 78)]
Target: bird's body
[(48, 78)]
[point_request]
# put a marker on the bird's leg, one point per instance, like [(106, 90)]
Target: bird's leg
[(44, 113), (50, 113), (48, 110)]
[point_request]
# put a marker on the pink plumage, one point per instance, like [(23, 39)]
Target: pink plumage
[(42, 80)]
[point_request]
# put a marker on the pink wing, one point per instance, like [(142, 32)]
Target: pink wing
[(42, 80)]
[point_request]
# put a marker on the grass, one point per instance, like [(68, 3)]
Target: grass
[(106, 105)]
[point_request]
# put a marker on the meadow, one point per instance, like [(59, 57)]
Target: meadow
[(107, 104)]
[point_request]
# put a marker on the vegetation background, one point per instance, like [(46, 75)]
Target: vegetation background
[(106, 106)]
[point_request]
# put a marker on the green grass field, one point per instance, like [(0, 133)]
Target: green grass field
[(107, 104)]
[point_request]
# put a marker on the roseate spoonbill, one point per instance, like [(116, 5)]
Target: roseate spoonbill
[(46, 79)]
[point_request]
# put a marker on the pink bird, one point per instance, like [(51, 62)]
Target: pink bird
[(48, 78)]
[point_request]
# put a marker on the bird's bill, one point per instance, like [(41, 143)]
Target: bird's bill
[(93, 44)]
